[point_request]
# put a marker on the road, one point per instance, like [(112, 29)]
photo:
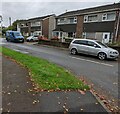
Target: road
[(103, 75)]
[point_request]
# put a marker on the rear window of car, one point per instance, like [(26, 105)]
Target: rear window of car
[(82, 42)]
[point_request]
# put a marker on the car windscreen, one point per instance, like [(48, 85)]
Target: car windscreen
[(102, 44), (17, 34)]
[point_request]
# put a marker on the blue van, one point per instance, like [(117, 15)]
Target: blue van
[(14, 36)]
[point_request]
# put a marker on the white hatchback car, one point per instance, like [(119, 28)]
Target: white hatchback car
[(93, 47), (32, 38)]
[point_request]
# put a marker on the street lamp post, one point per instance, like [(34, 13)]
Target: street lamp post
[(10, 21)]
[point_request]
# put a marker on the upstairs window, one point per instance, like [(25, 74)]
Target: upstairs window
[(75, 20), (85, 18), (91, 18), (37, 23), (104, 17), (108, 16), (70, 20)]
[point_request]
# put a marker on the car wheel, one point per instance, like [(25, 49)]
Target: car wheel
[(102, 56), (73, 51)]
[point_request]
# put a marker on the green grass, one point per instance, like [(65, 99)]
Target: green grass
[(46, 75)]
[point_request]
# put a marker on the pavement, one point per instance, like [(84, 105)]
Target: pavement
[(18, 97)]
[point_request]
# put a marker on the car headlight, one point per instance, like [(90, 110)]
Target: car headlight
[(113, 52)]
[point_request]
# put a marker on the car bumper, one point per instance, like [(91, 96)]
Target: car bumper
[(113, 56), (19, 40)]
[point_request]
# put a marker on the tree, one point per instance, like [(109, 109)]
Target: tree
[(13, 27)]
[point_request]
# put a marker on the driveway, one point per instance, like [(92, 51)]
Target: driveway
[(103, 75)]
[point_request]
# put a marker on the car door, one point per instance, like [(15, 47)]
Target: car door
[(82, 47), (93, 48)]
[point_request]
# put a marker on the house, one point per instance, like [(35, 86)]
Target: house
[(38, 26), (101, 23)]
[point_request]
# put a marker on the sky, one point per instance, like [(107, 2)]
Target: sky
[(25, 9)]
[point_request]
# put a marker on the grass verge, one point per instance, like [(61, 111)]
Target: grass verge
[(46, 75)]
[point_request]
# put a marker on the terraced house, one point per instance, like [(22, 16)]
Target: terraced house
[(38, 26), (102, 23)]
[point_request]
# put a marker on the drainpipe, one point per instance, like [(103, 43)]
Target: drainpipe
[(117, 28)]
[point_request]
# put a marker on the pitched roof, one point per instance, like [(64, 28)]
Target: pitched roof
[(82, 11), (37, 18), (40, 18)]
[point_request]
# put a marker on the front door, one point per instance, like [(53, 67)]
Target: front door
[(106, 37)]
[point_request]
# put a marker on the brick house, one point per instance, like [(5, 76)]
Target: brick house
[(38, 26), (102, 23)]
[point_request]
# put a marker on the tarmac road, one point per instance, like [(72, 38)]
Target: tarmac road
[(102, 74)]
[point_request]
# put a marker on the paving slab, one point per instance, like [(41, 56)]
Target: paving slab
[(17, 95)]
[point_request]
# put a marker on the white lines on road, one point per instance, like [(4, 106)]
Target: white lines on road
[(92, 61), (25, 52)]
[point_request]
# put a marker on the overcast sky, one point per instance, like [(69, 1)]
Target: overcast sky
[(25, 9)]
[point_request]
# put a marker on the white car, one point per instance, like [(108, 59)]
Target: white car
[(93, 47), (32, 38)]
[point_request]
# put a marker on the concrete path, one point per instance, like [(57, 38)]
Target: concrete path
[(17, 95)]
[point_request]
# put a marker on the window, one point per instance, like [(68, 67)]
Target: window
[(22, 25), (58, 20), (70, 34), (17, 34), (90, 35), (62, 20), (71, 20), (26, 24), (82, 42), (90, 18), (84, 35), (108, 16), (85, 18), (111, 16), (105, 36), (12, 34), (75, 20), (35, 23), (104, 17), (76, 42), (100, 43), (91, 43)]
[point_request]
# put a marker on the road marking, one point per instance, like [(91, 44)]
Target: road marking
[(92, 61), (25, 52)]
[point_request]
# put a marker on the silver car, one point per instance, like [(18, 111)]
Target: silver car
[(93, 47)]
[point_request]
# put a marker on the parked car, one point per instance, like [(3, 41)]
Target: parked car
[(93, 47), (14, 36), (32, 38)]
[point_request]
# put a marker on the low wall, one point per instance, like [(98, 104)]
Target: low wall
[(54, 43)]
